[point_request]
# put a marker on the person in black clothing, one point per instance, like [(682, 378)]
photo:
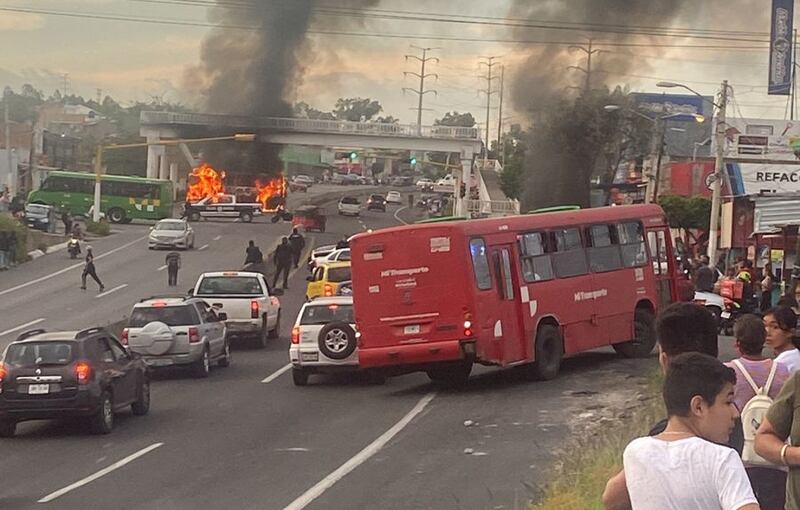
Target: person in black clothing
[(173, 261), (298, 242), (89, 270), (283, 262), (254, 255), (343, 243), (66, 219), (704, 276)]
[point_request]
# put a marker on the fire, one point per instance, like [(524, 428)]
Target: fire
[(204, 182), (272, 194)]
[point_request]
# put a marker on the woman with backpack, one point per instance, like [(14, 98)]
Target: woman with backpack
[(758, 382)]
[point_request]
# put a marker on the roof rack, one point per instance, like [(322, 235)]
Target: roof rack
[(30, 333), (164, 296), (89, 331)]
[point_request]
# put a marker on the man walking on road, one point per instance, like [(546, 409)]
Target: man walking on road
[(173, 261), (298, 243), (89, 270), (283, 262), (254, 255)]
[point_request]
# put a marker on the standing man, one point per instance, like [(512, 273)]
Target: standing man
[(253, 254), (298, 243), (66, 219), (173, 261), (4, 248), (283, 262), (89, 270)]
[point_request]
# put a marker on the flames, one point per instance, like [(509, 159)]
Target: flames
[(272, 194), (204, 182)]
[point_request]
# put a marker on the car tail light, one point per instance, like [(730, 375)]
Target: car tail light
[(296, 335), (328, 290), (467, 328), (83, 372), (194, 335), (124, 337), (254, 309), (3, 375)]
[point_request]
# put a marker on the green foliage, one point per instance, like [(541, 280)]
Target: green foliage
[(456, 119), (686, 212), (356, 109), (515, 144), (100, 228), (9, 224)]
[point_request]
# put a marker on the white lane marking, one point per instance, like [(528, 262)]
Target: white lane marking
[(202, 247), (21, 326), (361, 457), (99, 474), (162, 268), (74, 266), (106, 293), (218, 238), (397, 212), (276, 374)]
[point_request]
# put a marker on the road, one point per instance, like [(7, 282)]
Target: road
[(233, 441)]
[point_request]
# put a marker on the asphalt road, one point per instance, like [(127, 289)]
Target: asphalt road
[(233, 441)]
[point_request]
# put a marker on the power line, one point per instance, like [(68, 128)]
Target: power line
[(424, 59), (489, 62)]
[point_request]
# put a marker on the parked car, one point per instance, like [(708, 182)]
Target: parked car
[(341, 255), (353, 179), (376, 203), (393, 197), (84, 374), (171, 234), (178, 331), (326, 278), (319, 253), (350, 206), (303, 179), (323, 338), (41, 217)]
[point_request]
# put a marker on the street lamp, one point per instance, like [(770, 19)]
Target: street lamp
[(98, 160)]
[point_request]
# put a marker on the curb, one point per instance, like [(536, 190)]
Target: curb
[(35, 254)]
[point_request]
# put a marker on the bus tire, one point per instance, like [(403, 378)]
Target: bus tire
[(246, 217), (116, 215), (451, 374), (644, 326), (549, 351)]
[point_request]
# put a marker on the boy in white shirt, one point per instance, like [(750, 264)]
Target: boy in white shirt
[(684, 468)]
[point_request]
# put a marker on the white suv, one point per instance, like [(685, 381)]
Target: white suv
[(350, 205), (323, 338)]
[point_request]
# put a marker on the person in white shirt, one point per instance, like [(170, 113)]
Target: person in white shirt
[(684, 467), (780, 323)]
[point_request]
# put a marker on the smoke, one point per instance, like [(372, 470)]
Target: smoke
[(255, 72)]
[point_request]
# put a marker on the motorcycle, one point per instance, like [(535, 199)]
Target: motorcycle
[(74, 248)]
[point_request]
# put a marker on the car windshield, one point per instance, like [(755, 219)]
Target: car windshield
[(183, 315), (338, 274), (39, 353), (230, 285), (350, 200), (376, 197), (316, 315), (170, 225)]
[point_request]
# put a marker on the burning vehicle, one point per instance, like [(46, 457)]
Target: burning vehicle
[(207, 185)]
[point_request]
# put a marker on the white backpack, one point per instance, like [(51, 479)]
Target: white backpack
[(753, 414)]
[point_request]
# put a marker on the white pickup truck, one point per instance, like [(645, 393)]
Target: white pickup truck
[(222, 206), (252, 309), (446, 184)]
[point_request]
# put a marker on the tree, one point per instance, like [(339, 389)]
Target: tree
[(22, 107), (689, 214), (456, 119), (303, 110), (356, 109), (452, 119), (515, 144), (387, 120)]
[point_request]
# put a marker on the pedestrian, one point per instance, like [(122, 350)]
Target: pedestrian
[(767, 286), (780, 323), (253, 254), (283, 262), (5, 201), (11, 254), (89, 270), (4, 249), (173, 261), (704, 276), (685, 467), (298, 242), (66, 219), (342, 244), (759, 376), (789, 301)]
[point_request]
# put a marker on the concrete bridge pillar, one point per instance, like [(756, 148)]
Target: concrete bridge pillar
[(163, 169), (153, 156), (466, 174)]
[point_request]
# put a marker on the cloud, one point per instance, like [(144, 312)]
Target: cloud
[(20, 22)]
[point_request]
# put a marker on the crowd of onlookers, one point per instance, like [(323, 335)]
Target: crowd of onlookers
[(731, 438)]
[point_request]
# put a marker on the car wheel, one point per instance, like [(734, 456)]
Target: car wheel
[(452, 374), (103, 421), (8, 428), (202, 367), (299, 376), (225, 360), (548, 352), (263, 335), (337, 340), (194, 216), (275, 332), (246, 217), (645, 336), (142, 404)]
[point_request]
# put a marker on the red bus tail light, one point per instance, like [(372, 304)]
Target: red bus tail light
[(124, 337), (83, 372), (467, 328), (328, 290), (194, 335), (296, 335), (254, 309)]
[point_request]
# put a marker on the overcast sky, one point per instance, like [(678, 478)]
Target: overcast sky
[(135, 61)]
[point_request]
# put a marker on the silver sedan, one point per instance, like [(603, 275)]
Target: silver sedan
[(171, 234)]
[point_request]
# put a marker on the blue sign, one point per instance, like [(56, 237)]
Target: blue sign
[(678, 107), (780, 48)]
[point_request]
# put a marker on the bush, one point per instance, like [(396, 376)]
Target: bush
[(9, 224), (100, 228)]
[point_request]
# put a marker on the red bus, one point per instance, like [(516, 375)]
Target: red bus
[(521, 290)]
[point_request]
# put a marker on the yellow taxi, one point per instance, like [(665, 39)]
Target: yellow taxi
[(326, 278)]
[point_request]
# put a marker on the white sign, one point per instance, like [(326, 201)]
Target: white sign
[(755, 178)]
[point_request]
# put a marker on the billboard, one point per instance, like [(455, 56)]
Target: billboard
[(661, 105), (762, 140), (780, 48), (763, 178)]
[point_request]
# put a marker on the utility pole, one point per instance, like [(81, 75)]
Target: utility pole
[(421, 75), (12, 172), (99, 96), (500, 114), (719, 169), (65, 79), (590, 51), (489, 62)]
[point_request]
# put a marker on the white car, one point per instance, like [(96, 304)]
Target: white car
[(303, 179), (393, 197), (341, 255), (171, 234), (324, 338), (350, 206), (424, 184)]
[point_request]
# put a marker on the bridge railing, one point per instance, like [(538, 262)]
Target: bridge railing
[(493, 207), (308, 125)]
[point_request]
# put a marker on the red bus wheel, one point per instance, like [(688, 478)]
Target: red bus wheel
[(645, 336), (549, 350)]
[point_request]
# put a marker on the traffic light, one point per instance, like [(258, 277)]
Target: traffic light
[(412, 161), (353, 156), (463, 191)]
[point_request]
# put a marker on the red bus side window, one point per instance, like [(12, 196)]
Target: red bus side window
[(658, 251), (570, 257), (631, 238), (604, 252), (480, 264), (535, 261)]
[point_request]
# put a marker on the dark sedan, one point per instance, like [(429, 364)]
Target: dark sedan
[(376, 203)]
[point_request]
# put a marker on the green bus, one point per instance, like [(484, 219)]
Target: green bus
[(122, 198)]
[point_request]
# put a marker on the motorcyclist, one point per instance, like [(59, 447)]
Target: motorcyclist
[(749, 301), (74, 246)]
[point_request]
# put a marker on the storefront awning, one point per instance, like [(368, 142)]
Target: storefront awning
[(772, 214)]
